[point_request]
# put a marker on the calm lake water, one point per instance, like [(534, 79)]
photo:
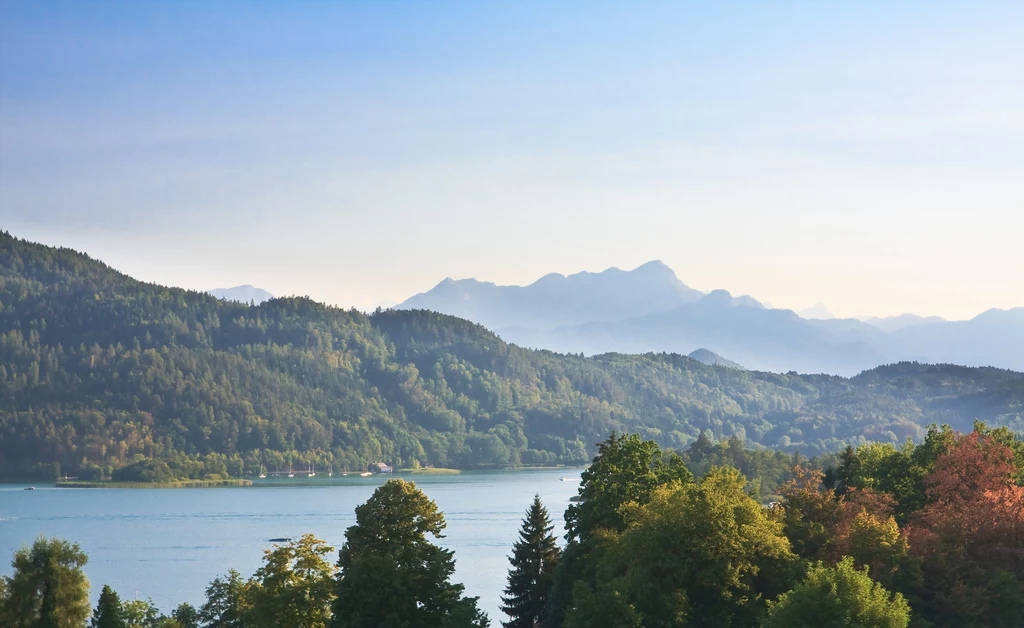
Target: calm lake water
[(167, 544)]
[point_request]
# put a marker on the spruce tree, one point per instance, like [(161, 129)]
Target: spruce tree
[(109, 613), (534, 558)]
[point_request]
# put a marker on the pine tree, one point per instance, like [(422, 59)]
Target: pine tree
[(534, 558), (108, 613)]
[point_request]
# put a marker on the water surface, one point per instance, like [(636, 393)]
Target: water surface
[(167, 544)]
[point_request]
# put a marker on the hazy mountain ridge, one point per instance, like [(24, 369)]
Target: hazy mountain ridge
[(639, 318), (242, 294), (555, 300)]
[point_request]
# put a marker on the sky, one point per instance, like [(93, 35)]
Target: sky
[(868, 155)]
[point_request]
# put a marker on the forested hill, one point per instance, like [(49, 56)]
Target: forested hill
[(97, 370)]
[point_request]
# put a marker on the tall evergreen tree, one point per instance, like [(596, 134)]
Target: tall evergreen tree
[(109, 612), (534, 558)]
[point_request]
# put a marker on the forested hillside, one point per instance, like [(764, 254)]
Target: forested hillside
[(98, 370)]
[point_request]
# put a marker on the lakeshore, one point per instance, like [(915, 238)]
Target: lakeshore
[(227, 483)]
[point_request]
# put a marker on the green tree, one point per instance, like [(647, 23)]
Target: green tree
[(703, 554), (142, 614), (625, 469), (226, 602), (109, 612), (609, 609), (392, 575), (534, 559), (48, 588), (186, 615), (838, 597), (294, 587), (5, 619)]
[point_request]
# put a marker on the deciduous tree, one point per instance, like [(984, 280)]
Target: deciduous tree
[(48, 588), (294, 587), (838, 597), (390, 574)]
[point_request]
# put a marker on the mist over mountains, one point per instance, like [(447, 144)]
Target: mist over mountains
[(242, 294), (650, 309)]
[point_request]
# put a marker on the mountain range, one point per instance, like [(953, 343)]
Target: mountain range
[(99, 370), (650, 309)]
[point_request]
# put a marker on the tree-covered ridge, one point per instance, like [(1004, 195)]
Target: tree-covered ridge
[(98, 370)]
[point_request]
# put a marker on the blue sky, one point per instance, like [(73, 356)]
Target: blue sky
[(864, 155)]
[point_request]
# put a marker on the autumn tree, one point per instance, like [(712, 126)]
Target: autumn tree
[(969, 537), (810, 513)]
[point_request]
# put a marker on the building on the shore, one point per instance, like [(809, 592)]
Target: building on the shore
[(380, 467)]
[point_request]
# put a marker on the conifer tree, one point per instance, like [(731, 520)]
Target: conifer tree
[(108, 613), (534, 558)]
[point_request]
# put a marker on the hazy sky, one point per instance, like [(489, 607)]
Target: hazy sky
[(868, 155)]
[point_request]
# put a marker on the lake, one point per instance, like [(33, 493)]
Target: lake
[(167, 544)]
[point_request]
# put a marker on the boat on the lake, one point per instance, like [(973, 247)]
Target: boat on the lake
[(569, 479), (282, 539), (365, 474), (30, 488)]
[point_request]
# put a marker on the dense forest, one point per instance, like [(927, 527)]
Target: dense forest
[(98, 371), (926, 536)]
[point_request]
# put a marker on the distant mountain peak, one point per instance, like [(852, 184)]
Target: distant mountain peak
[(245, 294), (706, 356), (817, 311), (555, 299)]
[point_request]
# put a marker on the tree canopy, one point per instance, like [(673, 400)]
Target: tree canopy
[(838, 597), (391, 574)]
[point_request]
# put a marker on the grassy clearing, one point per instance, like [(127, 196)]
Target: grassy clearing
[(431, 471)]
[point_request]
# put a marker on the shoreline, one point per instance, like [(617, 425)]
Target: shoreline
[(229, 483)]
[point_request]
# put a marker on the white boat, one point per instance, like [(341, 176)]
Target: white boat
[(568, 479), (312, 471), (365, 474)]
